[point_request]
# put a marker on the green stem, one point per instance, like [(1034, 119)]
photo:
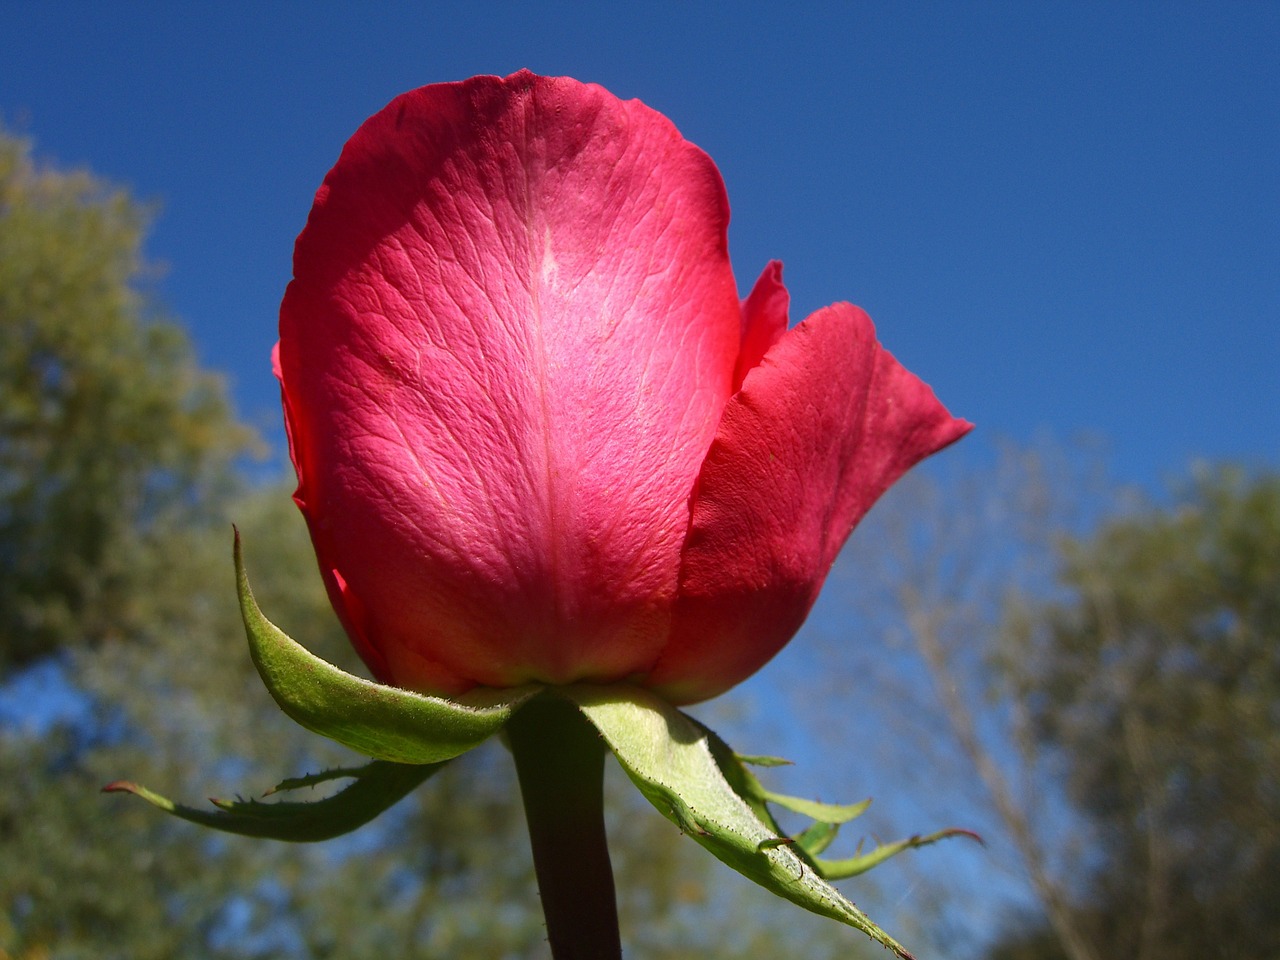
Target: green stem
[(560, 762)]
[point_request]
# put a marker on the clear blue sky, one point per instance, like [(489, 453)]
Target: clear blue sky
[(1061, 215)]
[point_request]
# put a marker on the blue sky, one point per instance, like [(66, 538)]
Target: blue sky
[(1063, 216)]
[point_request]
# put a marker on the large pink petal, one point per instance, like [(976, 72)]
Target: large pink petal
[(511, 332), (823, 426)]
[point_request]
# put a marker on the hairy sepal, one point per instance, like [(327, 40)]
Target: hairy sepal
[(375, 787), (673, 760), (379, 721)]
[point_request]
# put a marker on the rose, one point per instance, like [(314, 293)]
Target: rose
[(537, 436), (541, 447)]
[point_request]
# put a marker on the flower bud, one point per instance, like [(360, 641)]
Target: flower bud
[(537, 436)]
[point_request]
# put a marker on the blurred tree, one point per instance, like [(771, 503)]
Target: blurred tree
[(109, 432), (1156, 680), (915, 618), (1101, 703)]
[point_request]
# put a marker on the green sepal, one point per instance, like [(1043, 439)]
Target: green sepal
[(761, 760), (671, 758), (827, 818), (748, 786), (377, 786), (816, 838), (380, 721), (861, 863), (311, 780), (832, 813)]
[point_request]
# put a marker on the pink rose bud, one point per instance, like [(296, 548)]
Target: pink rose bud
[(537, 436)]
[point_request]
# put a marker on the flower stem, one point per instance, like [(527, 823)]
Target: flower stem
[(560, 762)]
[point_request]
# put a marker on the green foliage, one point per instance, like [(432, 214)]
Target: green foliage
[(1156, 682), (109, 432)]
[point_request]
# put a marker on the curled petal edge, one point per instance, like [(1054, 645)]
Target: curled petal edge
[(823, 425)]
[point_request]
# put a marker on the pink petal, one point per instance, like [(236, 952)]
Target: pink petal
[(823, 426), (511, 332), (764, 320)]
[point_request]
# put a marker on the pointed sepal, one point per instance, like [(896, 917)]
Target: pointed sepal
[(376, 787), (815, 838), (827, 818), (380, 721), (830, 813), (747, 785), (669, 756), (760, 760), (862, 862)]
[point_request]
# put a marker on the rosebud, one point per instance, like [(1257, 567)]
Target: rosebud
[(537, 436)]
